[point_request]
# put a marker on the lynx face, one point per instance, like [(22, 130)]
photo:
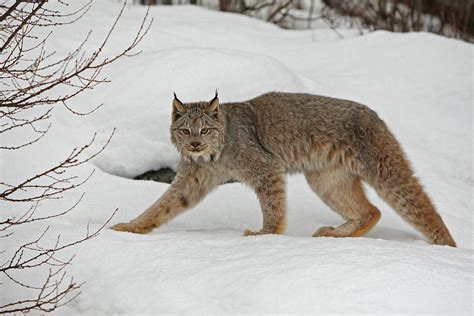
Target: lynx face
[(197, 130)]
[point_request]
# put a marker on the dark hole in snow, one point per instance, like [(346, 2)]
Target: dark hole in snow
[(165, 175)]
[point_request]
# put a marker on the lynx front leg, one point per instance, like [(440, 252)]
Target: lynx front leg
[(271, 194), (167, 207), (189, 187)]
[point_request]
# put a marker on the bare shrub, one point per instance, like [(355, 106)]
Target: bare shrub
[(443, 17), (34, 80)]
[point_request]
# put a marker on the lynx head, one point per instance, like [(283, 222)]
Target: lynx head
[(197, 129)]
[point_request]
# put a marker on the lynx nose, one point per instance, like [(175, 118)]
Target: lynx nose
[(195, 144)]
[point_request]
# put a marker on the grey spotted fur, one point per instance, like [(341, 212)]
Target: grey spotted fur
[(336, 144)]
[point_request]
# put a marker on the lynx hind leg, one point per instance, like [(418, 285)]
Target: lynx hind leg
[(344, 194)]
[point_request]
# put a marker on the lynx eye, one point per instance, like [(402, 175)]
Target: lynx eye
[(204, 131), (185, 131)]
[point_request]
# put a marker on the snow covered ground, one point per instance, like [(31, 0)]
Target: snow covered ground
[(419, 83)]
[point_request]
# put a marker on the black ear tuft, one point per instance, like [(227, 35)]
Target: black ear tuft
[(213, 105), (178, 106)]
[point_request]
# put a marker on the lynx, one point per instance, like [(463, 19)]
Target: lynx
[(337, 145)]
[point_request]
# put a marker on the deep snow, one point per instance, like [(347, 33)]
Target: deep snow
[(420, 84)]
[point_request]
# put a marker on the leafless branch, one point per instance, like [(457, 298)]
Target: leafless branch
[(33, 81)]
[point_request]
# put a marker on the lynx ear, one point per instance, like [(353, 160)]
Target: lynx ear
[(213, 105), (178, 105)]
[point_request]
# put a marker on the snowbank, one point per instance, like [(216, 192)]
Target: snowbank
[(218, 271)]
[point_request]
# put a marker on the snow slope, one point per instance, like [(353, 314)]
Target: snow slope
[(420, 84)]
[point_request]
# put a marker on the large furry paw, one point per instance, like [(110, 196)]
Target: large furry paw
[(131, 228), (326, 231), (262, 231)]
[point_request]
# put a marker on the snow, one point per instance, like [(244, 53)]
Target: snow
[(420, 84), (221, 272)]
